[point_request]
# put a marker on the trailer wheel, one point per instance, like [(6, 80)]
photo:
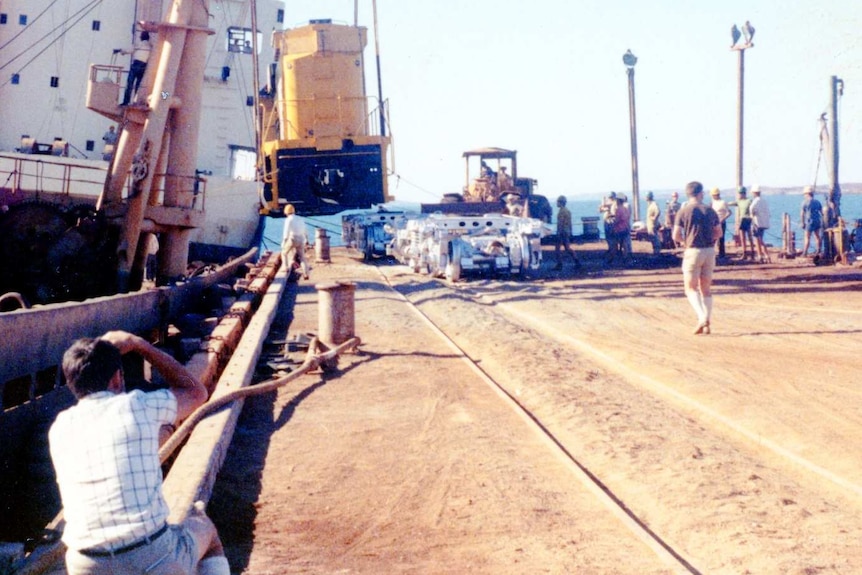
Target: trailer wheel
[(453, 267), (526, 254), (368, 252)]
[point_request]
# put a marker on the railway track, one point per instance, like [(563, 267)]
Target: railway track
[(706, 412), (636, 525), (632, 372), (731, 442)]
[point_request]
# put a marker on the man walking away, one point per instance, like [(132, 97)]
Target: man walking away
[(698, 228), (294, 240)]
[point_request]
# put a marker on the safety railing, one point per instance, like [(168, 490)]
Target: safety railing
[(20, 173), (349, 121), (23, 177)]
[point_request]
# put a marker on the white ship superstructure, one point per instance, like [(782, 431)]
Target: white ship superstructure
[(46, 48)]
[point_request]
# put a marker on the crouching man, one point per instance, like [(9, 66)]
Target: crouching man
[(105, 453)]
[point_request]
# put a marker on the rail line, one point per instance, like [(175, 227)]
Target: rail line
[(590, 480), (665, 391), (662, 390)]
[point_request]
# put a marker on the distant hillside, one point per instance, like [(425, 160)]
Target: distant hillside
[(821, 188)]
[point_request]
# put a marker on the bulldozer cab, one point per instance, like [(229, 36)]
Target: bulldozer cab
[(491, 174)]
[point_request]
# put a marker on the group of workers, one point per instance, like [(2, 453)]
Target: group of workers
[(752, 220)]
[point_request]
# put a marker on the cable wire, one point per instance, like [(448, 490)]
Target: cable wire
[(85, 9), (400, 178), (25, 28)]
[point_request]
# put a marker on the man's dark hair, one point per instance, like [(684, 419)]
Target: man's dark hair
[(693, 188), (145, 35), (89, 364)]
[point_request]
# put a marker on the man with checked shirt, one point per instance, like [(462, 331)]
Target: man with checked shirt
[(105, 453)]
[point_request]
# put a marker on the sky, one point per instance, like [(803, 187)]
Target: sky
[(546, 78)]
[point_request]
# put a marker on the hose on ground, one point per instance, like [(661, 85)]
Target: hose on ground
[(312, 361)]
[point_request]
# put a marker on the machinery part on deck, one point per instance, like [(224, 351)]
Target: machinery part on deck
[(368, 252), (453, 246), (18, 302), (139, 170), (58, 254)]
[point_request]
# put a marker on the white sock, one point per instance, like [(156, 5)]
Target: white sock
[(707, 305), (217, 565), (694, 300)]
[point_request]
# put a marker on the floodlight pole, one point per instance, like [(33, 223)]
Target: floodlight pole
[(630, 72), (740, 109), (836, 90)]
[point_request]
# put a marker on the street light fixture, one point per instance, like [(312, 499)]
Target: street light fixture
[(630, 60), (740, 47)]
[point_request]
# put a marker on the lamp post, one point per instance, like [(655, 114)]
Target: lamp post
[(630, 60), (748, 35), (836, 90)]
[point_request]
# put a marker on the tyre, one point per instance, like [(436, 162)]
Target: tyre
[(368, 252), (453, 268)]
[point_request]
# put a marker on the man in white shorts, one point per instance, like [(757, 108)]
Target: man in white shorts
[(698, 227)]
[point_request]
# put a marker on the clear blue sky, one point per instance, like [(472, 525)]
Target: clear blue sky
[(546, 78)]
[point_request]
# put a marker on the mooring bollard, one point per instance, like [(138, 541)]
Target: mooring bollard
[(335, 312), (321, 246)]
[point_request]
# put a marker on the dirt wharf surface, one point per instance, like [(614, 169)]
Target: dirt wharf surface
[(575, 425)]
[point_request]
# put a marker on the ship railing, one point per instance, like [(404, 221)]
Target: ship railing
[(373, 118), (28, 178)]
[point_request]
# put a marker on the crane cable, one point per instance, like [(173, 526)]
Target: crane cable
[(86, 10), (25, 28)]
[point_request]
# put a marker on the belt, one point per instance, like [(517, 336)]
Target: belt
[(134, 545)]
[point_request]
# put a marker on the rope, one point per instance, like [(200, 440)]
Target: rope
[(312, 361), (823, 129), (400, 178)]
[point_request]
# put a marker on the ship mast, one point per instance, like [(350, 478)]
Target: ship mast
[(255, 63), (379, 80)]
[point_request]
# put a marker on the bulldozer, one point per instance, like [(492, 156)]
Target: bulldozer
[(494, 186)]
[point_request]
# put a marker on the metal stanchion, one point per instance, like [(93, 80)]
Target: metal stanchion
[(321, 246), (336, 312)]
